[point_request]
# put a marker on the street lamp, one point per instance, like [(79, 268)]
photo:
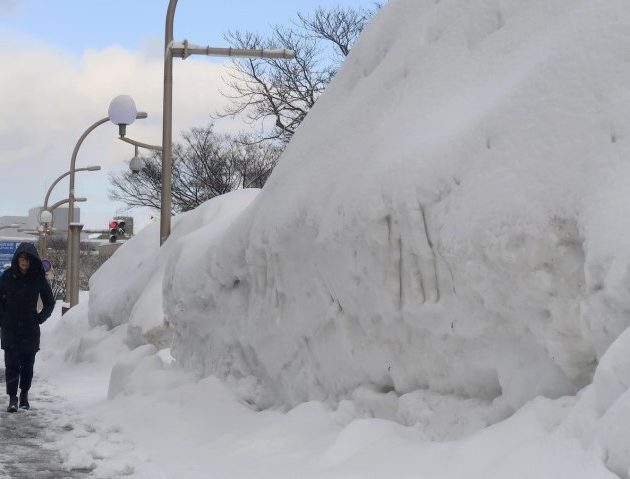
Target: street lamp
[(61, 177), (45, 216), (184, 50), (46, 219), (122, 112), (56, 205), (137, 163)]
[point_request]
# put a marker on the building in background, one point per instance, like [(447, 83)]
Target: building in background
[(60, 220), (13, 232), (31, 222), (10, 238)]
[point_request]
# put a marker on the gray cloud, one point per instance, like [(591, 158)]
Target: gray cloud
[(51, 98)]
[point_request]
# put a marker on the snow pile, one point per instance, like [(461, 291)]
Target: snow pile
[(127, 289), (449, 218), (601, 417), (163, 423), (445, 237)]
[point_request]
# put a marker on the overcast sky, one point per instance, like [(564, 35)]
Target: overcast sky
[(64, 60)]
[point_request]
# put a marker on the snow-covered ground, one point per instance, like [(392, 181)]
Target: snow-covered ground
[(435, 281), (166, 422)]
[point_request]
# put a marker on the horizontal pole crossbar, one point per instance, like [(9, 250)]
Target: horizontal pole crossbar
[(140, 144), (185, 49)]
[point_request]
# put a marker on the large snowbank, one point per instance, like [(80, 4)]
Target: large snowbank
[(127, 289), (448, 217), (448, 224)]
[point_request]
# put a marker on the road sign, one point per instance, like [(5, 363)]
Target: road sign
[(7, 248), (47, 265)]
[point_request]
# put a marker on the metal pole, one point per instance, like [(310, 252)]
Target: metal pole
[(67, 296), (43, 238), (72, 294), (73, 161), (184, 50), (140, 144), (63, 202), (43, 243), (167, 126), (61, 177), (70, 254), (72, 258)]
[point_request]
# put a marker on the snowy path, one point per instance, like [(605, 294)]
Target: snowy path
[(26, 438)]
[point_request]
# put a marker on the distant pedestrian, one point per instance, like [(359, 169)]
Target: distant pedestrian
[(20, 287)]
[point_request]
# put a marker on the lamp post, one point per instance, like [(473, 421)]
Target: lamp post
[(87, 168), (56, 205), (122, 112), (46, 218), (46, 222), (184, 50)]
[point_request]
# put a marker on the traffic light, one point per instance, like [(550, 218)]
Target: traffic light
[(113, 231), (121, 227), (116, 229)]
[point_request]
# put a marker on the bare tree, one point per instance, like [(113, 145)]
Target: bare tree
[(340, 26), (285, 90), (89, 262), (205, 165)]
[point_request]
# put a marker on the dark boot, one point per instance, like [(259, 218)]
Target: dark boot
[(24, 400), (13, 404)]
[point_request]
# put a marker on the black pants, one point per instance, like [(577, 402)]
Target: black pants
[(18, 369)]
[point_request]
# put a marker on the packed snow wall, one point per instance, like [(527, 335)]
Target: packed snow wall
[(127, 288), (451, 215), (450, 218)]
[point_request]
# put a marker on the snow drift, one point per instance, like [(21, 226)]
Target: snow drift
[(137, 270), (450, 219), (447, 218)]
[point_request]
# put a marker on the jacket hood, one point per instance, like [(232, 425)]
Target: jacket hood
[(29, 249)]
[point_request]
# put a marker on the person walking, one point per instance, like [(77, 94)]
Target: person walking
[(20, 287)]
